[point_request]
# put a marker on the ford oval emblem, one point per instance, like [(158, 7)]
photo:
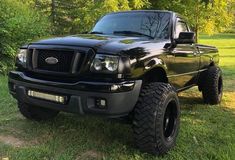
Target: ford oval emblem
[(51, 60)]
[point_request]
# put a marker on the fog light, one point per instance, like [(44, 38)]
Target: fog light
[(101, 103)]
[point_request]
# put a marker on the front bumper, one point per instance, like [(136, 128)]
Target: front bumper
[(120, 97)]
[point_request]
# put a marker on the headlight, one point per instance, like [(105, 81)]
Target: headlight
[(105, 63), (22, 55)]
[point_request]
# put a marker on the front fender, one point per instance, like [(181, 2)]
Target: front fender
[(143, 67)]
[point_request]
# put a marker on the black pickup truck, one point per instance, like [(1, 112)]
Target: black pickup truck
[(132, 64)]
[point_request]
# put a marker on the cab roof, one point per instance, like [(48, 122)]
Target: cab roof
[(137, 11)]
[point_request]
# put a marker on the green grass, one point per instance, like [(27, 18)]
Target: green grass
[(207, 132)]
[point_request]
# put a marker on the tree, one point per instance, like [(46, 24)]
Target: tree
[(209, 16), (18, 25), (77, 16)]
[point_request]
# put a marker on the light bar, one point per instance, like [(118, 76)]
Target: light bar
[(46, 96)]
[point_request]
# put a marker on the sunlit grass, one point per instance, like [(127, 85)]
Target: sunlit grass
[(207, 132)]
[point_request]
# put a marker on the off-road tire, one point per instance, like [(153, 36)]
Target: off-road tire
[(212, 86), (36, 113), (152, 133)]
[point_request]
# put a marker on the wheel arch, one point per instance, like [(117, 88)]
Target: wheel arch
[(156, 74), (212, 63)]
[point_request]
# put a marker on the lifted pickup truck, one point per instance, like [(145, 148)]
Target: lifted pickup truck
[(132, 63)]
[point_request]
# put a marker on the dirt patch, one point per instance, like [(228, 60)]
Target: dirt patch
[(90, 155), (13, 141)]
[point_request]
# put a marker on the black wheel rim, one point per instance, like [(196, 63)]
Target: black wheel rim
[(170, 120), (220, 85)]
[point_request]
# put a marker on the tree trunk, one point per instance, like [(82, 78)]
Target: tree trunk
[(36, 3), (197, 14), (53, 11), (196, 33)]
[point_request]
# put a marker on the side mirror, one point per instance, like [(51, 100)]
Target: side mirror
[(186, 38)]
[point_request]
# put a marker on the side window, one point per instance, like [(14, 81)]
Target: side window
[(180, 27)]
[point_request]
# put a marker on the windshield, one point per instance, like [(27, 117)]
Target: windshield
[(152, 24)]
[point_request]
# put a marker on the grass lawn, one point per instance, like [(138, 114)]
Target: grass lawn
[(207, 132)]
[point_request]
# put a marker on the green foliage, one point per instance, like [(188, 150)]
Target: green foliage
[(231, 30), (78, 16), (18, 25), (204, 15)]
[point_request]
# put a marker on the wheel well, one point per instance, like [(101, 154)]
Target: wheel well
[(155, 75), (202, 76), (212, 64)]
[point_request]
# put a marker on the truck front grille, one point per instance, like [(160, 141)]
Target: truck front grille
[(64, 64)]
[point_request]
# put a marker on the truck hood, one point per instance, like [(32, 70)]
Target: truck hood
[(106, 43)]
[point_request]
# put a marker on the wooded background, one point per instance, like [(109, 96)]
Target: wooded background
[(22, 21)]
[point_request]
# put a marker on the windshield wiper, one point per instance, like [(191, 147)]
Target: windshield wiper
[(132, 32), (96, 32)]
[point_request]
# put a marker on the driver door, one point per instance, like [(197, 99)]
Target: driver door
[(186, 61)]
